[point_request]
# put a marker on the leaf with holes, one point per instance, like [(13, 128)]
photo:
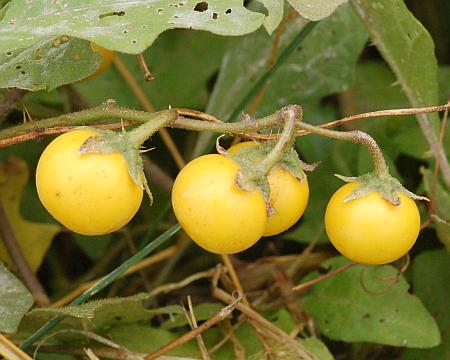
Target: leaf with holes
[(34, 239), (316, 9), (48, 64), (125, 26), (15, 301), (363, 304), (275, 10), (323, 64)]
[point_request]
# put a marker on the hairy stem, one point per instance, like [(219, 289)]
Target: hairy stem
[(291, 114), (138, 135), (355, 136)]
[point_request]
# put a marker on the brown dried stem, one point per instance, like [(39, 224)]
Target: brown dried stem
[(16, 254), (143, 65), (323, 277), (222, 314), (10, 351)]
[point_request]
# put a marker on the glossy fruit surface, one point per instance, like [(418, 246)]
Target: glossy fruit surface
[(213, 211), (90, 194), (371, 230), (288, 196)]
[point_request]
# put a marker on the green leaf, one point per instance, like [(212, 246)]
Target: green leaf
[(202, 312), (316, 9), (318, 348), (15, 301), (171, 65), (379, 312), (125, 26), (49, 63), (431, 277), (442, 207), (409, 50), (146, 339), (324, 64), (98, 314), (275, 9), (34, 238)]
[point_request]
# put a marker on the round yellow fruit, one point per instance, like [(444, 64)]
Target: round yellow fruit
[(213, 211), (91, 194), (370, 230)]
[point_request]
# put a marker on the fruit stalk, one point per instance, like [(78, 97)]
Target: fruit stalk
[(355, 136), (291, 115)]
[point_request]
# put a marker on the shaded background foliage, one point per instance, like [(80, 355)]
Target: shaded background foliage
[(336, 71)]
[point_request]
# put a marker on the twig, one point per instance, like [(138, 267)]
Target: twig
[(102, 352), (237, 284), (381, 113), (10, 351), (24, 268), (143, 65), (195, 114), (222, 314), (151, 260), (323, 277), (92, 336), (166, 288), (193, 323), (296, 346), (131, 81), (34, 134)]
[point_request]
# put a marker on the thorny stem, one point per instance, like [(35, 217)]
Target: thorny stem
[(290, 114), (171, 118), (138, 135), (355, 136)]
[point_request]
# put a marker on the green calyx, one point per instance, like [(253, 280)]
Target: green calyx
[(253, 176), (386, 185), (109, 142)]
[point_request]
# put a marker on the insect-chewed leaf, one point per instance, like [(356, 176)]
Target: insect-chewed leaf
[(125, 26)]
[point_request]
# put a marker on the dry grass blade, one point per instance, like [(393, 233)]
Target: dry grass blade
[(10, 351), (272, 330), (222, 314)]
